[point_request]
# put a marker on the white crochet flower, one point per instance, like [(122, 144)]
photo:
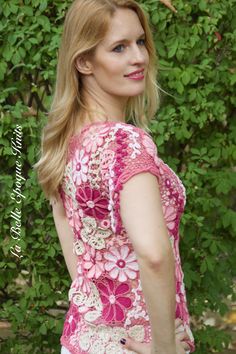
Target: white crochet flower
[(121, 264)]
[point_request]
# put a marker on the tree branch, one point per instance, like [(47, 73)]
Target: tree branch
[(168, 4)]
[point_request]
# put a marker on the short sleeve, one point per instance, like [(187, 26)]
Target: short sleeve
[(135, 152)]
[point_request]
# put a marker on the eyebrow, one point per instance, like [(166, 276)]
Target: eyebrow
[(126, 40)]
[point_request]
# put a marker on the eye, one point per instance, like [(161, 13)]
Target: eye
[(142, 39), (118, 46)]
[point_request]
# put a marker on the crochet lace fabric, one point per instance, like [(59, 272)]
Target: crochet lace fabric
[(106, 301)]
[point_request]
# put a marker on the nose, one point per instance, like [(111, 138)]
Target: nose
[(138, 54)]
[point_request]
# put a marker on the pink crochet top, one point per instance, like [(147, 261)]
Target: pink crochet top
[(106, 301)]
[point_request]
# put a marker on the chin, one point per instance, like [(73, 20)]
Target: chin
[(135, 93)]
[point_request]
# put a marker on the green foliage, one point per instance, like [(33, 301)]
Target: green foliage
[(195, 132)]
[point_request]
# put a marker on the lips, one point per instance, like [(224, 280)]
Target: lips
[(136, 73)]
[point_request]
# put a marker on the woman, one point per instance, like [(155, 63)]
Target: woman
[(116, 205)]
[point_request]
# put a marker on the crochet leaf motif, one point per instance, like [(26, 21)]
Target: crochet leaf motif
[(78, 247), (93, 235), (87, 302)]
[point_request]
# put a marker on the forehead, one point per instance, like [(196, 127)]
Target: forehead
[(124, 24)]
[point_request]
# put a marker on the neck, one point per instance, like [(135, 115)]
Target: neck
[(104, 106)]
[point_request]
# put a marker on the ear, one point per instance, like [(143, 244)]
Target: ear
[(83, 66)]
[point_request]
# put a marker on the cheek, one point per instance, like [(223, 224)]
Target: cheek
[(114, 69), (111, 67)]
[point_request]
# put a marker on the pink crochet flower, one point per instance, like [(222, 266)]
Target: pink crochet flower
[(72, 318), (121, 263), (94, 138), (80, 167), (93, 263), (105, 224), (83, 282), (114, 300), (170, 217), (92, 202)]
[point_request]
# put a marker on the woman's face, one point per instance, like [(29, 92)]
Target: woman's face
[(122, 52)]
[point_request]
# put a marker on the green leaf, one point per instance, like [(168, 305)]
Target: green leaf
[(31, 155), (179, 87), (27, 10), (3, 69), (51, 252), (44, 21), (185, 77), (43, 329), (192, 95), (13, 8), (16, 58), (232, 79), (213, 248), (6, 9), (203, 266), (7, 52), (173, 48), (202, 5), (210, 264), (43, 5)]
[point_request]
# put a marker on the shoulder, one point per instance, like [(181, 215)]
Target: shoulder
[(103, 129), (103, 137)]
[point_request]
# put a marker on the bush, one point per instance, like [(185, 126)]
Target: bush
[(195, 132)]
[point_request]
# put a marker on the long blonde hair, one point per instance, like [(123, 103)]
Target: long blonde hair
[(85, 26)]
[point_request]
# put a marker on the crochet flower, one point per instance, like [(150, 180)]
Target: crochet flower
[(92, 201), (92, 234), (80, 167), (94, 138), (83, 282), (170, 217), (121, 264), (71, 320), (93, 263), (114, 300), (105, 224)]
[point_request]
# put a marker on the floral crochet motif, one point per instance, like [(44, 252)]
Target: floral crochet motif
[(92, 202), (121, 264), (114, 300), (106, 301)]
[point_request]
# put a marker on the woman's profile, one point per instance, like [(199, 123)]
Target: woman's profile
[(116, 204)]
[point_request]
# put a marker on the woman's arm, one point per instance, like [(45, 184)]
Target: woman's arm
[(142, 217), (65, 235)]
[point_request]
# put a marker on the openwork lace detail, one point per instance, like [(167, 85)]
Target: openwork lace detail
[(106, 298), (102, 339)]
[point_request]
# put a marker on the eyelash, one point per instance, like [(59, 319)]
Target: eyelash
[(141, 39)]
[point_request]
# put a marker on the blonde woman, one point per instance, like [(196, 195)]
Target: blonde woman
[(116, 204)]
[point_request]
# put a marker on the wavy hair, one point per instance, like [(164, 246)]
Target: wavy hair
[(86, 24)]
